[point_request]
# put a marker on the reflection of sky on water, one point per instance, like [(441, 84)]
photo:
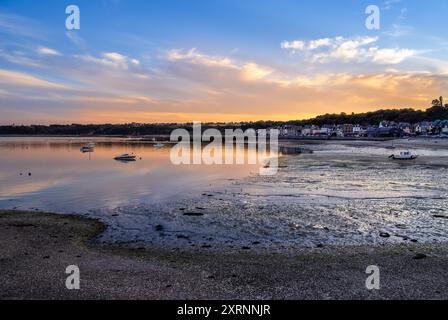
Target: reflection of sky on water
[(64, 179)]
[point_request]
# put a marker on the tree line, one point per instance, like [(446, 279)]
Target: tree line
[(438, 111)]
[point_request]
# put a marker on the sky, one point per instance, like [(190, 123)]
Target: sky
[(221, 60)]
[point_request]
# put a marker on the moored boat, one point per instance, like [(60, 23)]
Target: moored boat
[(404, 155), (126, 157), (87, 148), (159, 145)]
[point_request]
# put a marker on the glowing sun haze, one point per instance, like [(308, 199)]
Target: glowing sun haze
[(221, 60)]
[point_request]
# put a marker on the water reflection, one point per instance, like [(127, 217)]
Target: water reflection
[(65, 179)]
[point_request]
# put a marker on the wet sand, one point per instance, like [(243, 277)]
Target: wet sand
[(35, 249)]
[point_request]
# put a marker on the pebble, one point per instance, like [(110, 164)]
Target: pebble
[(420, 256)]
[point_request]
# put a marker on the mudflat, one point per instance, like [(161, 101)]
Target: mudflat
[(36, 248)]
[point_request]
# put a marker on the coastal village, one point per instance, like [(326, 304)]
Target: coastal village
[(386, 129)]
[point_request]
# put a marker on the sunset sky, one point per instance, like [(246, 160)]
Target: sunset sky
[(217, 60)]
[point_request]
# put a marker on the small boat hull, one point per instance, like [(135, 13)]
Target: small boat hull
[(125, 157), (86, 149), (403, 158), (404, 155), (125, 160)]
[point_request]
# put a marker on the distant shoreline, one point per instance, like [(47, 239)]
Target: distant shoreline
[(282, 138)]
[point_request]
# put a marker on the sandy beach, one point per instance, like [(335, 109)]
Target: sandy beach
[(36, 248)]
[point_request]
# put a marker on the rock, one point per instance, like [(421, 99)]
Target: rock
[(193, 214), (414, 240), (420, 256), (384, 235)]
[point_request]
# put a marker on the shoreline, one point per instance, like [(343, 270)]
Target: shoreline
[(285, 138), (37, 247)]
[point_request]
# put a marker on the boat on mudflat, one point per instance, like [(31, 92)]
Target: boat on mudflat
[(404, 155)]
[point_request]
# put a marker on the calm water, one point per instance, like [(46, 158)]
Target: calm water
[(63, 179), (343, 193)]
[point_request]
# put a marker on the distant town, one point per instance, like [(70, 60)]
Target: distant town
[(385, 129), (391, 123)]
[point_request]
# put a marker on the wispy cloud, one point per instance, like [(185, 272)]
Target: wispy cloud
[(112, 59), (398, 30), (359, 49), (194, 56), (48, 51), (389, 4), (27, 80), (20, 26), (19, 58), (75, 38)]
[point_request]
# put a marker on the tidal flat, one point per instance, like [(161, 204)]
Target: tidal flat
[(36, 248)]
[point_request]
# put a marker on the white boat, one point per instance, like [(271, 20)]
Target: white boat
[(404, 155), (159, 145), (126, 157)]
